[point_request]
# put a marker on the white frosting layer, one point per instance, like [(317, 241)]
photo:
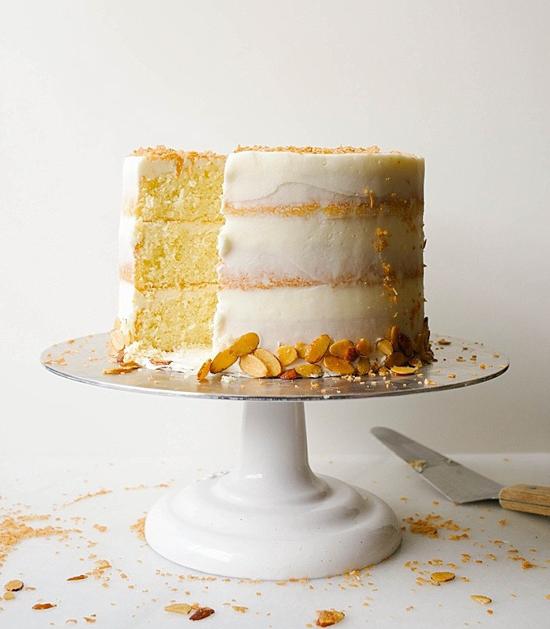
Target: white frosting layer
[(289, 315), (259, 249), (257, 175)]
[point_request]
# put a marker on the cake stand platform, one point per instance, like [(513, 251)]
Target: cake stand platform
[(272, 517)]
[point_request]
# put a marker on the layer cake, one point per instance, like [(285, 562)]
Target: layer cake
[(311, 243)]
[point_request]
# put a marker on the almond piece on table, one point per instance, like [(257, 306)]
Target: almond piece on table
[(362, 366), (201, 612), (363, 347), (481, 599), (343, 348), (203, 372), (44, 605), (338, 365), (442, 577), (286, 355), (289, 374), (301, 349), (14, 585), (245, 344), (318, 348), (223, 360), (123, 368), (403, 370), (179, 608), (270, 361), (253, 366), (307, 370), (329, 617)]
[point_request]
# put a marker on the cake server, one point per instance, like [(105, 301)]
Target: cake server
[(460, 484)]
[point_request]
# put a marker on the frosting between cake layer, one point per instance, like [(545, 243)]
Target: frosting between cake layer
[(266, 250)]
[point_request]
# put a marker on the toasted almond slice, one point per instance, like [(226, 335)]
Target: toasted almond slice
[(403, 370), (338, 365), (117, 340), (318, 348), (343, 348), (397, 359), (124, 368), (481, 599), (223, 360), (270, 361), (253, 366), (301, 349), (405, 344), (8, 596), (443, 342), (394, 336), (329, 617), (78, 577), (245, 344), (286, 355), (289, 374), (203, 372), (442, 577), (384, 347), (160, 362), (179, 608), (362, 366), (307, 370), (201, 612), (363, 347), (14, 585), (44, 605)]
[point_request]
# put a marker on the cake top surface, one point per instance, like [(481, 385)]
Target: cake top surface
[(309, 149)]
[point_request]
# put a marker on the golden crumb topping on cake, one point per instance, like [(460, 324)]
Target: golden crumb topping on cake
[(165, 153), (309, 149)]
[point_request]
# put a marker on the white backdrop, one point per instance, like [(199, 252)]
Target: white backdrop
[(463, 83)]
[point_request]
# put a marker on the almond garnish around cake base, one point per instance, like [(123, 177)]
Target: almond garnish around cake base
[(253, 366), (203, 372), (245, 344), (345, 349), (286, 355), (318, 348), (338, 365), (308, 370), (223, 360), (271, 361)]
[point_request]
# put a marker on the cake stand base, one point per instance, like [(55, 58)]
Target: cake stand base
[(272, 517)]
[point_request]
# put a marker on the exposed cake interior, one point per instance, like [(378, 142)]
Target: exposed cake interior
[(168, 233)]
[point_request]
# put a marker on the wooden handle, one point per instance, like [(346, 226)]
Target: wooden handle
[(526, 498)]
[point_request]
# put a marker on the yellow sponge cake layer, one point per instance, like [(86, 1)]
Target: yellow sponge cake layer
[(168, 233), (175, 255), (175, 319)]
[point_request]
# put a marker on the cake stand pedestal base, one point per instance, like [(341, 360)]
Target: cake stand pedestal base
[(272, 517)]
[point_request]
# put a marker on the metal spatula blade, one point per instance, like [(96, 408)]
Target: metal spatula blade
[(453, 480)]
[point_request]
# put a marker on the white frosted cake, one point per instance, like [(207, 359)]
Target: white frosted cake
[(318, 267)]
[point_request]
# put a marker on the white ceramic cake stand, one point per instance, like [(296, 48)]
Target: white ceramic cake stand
[(272, 517)]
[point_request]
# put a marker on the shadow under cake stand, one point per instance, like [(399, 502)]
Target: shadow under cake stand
[(272, 517)]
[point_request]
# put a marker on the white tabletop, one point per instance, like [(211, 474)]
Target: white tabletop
[(139, 584)]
